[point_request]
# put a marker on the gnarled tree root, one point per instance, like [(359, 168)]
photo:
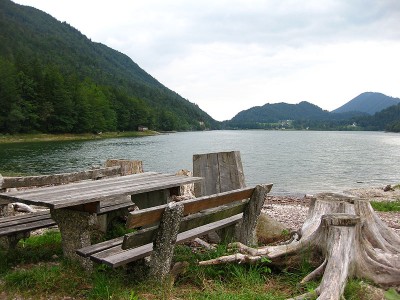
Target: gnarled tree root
[(353, 240)]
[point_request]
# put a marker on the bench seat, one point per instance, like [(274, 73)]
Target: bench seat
[(111, 253), (195, 218), (18, 227), (25, 223)]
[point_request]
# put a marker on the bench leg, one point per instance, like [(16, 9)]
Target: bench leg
[(75, 228), (246, 232), (105, 221), (10, 242), (164, 242)]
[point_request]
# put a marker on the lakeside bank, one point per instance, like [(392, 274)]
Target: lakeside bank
[(47, 137)]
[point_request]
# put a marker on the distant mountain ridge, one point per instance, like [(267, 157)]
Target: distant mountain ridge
[(357, 114), (369, 103)]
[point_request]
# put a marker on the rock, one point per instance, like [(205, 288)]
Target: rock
[(371, 292), (213, 238), (388, 188), (269, 230)]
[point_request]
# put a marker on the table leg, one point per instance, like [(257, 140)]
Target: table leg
[(75, 227)]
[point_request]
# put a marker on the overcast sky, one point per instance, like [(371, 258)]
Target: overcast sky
[(228, 56)]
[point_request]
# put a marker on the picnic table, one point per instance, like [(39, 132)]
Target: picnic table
[(72, 205)]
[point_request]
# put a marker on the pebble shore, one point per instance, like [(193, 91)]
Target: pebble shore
[(292, 211)]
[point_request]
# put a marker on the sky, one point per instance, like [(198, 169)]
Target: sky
[(228, 56)]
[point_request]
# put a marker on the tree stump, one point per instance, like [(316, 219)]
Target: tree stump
[(353, 242), (128, 167)]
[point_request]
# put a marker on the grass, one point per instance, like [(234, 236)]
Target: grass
[(40, 137), (386, 206), (37, 270)]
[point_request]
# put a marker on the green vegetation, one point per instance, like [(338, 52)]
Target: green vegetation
[(387, 119), (42, 137), (37, 270), (55, 80), (386, 206)]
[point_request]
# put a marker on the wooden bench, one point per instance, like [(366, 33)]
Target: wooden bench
[(198, 217), (19, 227), (15, 228)]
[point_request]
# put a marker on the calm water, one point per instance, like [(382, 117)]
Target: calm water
[(297, 162)]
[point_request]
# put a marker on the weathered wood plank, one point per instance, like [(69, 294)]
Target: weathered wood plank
[(189, 222), (202, 230), (117, 206), (26, 227), (130, 186), (206, 165), (26, 218), (139, 238), (153, 214), (223, 172), (230, 171), (79, 186), (123, 191), (123, 257), (89, 250), (57, 179), (73, 194)]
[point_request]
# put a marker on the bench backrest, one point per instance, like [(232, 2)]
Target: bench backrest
[(198, 212)]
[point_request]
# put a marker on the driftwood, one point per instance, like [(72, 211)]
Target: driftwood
[(22, 207), (351, 239)]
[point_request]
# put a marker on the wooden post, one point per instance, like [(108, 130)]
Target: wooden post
[(222, 171), (128, 167), (246, 232), (164, 241)]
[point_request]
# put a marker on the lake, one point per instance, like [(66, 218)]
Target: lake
[(297, 162)]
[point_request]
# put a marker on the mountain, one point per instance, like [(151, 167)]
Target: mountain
[(55, 79), (368, 102), (272, 113)]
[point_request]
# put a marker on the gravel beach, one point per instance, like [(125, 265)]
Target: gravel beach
[(292, 211)]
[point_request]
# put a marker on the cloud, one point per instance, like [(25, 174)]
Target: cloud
[(227, 56)]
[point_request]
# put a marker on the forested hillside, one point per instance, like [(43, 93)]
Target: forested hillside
[(296, 116), (54, 79), (387, 119)]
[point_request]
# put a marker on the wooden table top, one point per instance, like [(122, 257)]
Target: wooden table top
[(86, 192)]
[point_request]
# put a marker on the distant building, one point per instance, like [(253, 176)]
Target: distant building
[(142, 128)]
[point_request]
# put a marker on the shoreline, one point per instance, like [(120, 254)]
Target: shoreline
[(47, 137)]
